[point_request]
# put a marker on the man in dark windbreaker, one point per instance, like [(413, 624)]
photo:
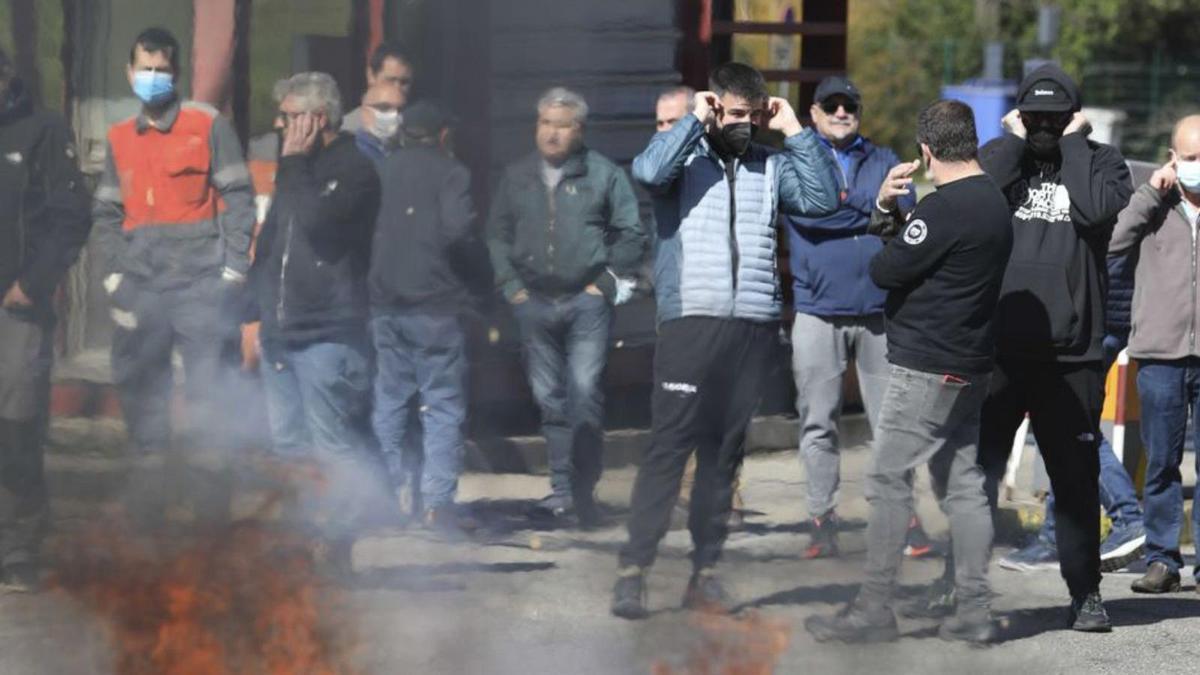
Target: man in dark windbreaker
[(417, 298), (1065, 193), (310, 285), (44, 222)]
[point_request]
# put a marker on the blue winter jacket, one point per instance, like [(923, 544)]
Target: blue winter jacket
[(830, 254), (716, 252)]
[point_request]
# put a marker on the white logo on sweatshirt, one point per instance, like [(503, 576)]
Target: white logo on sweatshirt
[(680, 387), (915, 232), (1049, 202)]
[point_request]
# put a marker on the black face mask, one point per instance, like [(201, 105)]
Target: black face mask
[(735, 138), (1043, 142)]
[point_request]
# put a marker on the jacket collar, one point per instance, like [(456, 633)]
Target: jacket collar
[(575, 166), (165, 121)]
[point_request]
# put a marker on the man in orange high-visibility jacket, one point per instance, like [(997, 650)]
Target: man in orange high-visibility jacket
[(174, 214)]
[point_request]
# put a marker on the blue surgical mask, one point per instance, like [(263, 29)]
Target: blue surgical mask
[(1189, 175), (153, 87)]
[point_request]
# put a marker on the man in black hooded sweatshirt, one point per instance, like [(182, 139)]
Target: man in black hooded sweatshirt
[(1065, 192)]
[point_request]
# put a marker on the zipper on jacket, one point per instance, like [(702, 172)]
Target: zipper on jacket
[(734, 254), (1192, 325), (552, 208), (845, 186), (287, 253)]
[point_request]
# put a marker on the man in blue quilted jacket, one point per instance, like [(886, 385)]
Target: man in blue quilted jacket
[(719, 302)]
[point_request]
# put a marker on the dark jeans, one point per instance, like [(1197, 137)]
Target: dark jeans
[(25, 361), (1169, 392), (708, 376), (194, 320), (566, 347), (928, 418), (1118, 495), (422, 357), (1063, 401)]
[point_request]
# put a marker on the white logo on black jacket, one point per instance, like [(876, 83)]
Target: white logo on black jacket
[(1049, 202)]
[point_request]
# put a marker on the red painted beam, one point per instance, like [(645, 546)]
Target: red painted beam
[(212, 52)]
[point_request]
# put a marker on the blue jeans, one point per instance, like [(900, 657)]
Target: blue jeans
[(1169, 391), (422, 356), (317, 399), (566, 346), (1118, 495)]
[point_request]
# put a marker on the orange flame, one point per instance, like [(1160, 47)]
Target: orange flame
[(728, 645), (246, 598)]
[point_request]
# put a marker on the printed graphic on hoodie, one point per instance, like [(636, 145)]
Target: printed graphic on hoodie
[(1049, 202)]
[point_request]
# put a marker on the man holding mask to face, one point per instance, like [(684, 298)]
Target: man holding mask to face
[(1065, 193), (719, 303)]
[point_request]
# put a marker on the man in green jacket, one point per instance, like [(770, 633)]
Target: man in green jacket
[(565, 242)]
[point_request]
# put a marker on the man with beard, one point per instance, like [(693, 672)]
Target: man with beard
[(719, 305), (44, 222), (1065, 193)]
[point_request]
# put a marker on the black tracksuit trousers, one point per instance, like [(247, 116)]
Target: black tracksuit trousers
[(708, 375), (1064, 401)]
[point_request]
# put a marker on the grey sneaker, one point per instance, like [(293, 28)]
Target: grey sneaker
[(1124, 545), (706, 593), (1037, 556), (1087, 614), (856, 623), (629, 594)]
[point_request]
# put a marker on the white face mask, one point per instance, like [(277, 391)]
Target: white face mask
[(386, 124), (1189, 175)]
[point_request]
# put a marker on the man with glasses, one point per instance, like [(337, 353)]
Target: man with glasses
[(839, 310)]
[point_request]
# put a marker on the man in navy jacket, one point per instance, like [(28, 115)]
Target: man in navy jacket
[(839, 310)]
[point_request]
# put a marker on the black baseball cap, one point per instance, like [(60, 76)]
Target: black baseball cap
[(1048, 89), (834, 85), (425, 118)]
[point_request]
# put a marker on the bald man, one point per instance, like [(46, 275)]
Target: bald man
[(1161, 222)]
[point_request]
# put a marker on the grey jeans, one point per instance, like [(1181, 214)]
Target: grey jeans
[(821, 351), (933, 418)]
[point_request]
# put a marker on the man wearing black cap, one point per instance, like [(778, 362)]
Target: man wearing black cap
[(417, 297), (1065, 193), (839, 310)]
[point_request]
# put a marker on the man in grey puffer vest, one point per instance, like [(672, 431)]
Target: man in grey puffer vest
[(719, 301)]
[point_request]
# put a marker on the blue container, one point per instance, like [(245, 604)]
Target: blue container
[(990, 99)]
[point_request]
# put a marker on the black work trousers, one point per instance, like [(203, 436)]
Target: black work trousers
[(708, 375)]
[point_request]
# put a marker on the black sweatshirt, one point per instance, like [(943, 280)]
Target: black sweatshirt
[(1063, 211), (943, 274)]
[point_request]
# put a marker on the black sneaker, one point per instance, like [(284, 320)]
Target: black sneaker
[(629, 594), (1088, 616), (938, 601), (706, 593), (823, 541), (855, 624), (21, 578), (975, 627)]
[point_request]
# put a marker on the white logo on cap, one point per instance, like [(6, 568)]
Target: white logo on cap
[(1043, 92), (916, 232)]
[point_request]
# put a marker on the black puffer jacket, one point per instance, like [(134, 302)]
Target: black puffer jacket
[(45, 210), (309, 277)]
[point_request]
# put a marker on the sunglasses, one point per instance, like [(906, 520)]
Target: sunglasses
[(831, 107)]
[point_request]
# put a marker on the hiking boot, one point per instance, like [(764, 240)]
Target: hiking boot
[(1039, 555), (1088, 616), (855, 623), (975, 627), (446, 518), (21, 578), (1125, 545), (917, 544), (706, 593), (823, 541), (938, 601), (629, 593), (1158, 579)]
